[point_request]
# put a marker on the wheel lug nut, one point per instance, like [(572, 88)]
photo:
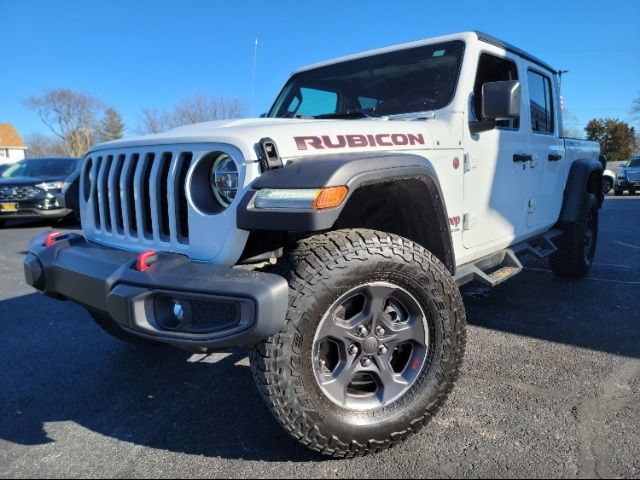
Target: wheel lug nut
[(366, 361), (382, 350), (362, 331), (380, 331), (353, 349)]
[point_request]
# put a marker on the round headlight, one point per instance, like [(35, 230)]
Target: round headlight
[(224, 179)]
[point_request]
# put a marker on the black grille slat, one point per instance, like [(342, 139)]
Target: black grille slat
[(181, 200), (104, 186), (94, 172), (131, 206), (163, 195), (116, 195), (145, 195)]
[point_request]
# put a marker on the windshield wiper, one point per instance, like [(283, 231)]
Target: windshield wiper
[(351, 114)]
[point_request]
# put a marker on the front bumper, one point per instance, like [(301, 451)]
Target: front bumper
[(251, 305), (39, 207), (624, 184)]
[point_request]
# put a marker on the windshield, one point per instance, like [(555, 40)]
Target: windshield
[(412, 80), (45, 167), (634, 162)]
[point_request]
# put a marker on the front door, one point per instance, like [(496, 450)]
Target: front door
[(494, 193)]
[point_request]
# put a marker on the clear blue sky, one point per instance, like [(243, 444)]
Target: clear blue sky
[(135, 54)]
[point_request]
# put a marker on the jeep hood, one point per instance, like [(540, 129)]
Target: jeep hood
[(294, 137)]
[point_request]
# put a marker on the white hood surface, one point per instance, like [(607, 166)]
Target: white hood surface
[(294, 137)]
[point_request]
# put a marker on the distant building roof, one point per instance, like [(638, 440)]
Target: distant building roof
[(9, 137)]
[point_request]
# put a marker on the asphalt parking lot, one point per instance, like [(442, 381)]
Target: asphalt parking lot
[(550, 387)]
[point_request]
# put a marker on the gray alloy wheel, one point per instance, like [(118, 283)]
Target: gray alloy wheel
[(370, 346)]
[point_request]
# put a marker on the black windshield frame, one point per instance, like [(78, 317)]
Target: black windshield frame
[(417, 79)]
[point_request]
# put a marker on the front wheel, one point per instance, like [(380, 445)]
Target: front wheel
[(607, 185), (374, 337)]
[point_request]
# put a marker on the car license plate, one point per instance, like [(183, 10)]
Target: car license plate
[(8, 207)]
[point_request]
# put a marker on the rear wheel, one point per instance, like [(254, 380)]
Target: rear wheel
[(374, 337), (632, 191), (112, 328), (577, 244)]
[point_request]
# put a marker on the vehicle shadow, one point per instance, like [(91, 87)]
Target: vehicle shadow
[(57, 366)]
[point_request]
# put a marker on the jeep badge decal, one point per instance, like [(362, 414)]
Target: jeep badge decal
[(359, 141)]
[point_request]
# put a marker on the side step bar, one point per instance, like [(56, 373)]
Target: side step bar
[(506, 260), (501, 266)]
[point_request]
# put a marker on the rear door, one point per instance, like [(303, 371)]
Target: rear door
[(544, 177)]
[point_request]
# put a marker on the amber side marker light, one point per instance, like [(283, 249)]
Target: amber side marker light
[(330, 197)]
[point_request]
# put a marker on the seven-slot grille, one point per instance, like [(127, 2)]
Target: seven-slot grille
[(139, 195), (18, 193)]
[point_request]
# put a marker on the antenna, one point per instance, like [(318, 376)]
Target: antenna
[(253, 79)]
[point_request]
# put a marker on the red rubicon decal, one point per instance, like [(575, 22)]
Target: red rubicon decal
[(359, 141)]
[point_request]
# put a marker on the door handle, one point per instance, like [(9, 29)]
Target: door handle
[(522, 157), (555, 157)]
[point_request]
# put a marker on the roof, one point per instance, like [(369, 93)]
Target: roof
[(9, 137), (465, 36)]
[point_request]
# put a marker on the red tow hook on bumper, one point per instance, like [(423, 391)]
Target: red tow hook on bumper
[(146, 259)]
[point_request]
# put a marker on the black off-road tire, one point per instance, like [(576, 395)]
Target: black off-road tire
[(573, 259), (110, 326), (319, 270)]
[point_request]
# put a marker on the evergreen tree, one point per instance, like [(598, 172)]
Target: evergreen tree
[(111, 126)]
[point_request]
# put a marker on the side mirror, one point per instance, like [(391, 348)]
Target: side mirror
[(500, 101)]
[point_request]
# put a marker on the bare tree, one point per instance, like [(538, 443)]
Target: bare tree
[(39, 145), (635, 109), (571, 125), (154, 121), (195, 109), (70, 115)]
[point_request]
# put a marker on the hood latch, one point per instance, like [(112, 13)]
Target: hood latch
[(269, 156)]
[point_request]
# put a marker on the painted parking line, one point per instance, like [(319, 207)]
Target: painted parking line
[(626, 245)]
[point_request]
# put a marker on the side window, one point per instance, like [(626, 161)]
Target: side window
[(312, 102), (493, 69), (541, 102)]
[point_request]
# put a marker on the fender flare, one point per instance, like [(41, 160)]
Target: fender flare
[(354, 170), (577, 183)]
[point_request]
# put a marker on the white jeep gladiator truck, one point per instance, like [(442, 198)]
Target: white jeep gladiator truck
[(332, 236)]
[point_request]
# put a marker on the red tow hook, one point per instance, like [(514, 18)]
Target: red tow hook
[(51, 238), (146, 259)]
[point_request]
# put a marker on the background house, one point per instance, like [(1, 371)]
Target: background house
[(12, 147)]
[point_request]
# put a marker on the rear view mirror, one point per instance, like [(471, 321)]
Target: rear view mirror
[(501, 100)]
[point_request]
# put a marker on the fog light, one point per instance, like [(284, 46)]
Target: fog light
[(172, 313), (177, 310)]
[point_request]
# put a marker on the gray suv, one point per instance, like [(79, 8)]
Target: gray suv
[(628, 177)]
